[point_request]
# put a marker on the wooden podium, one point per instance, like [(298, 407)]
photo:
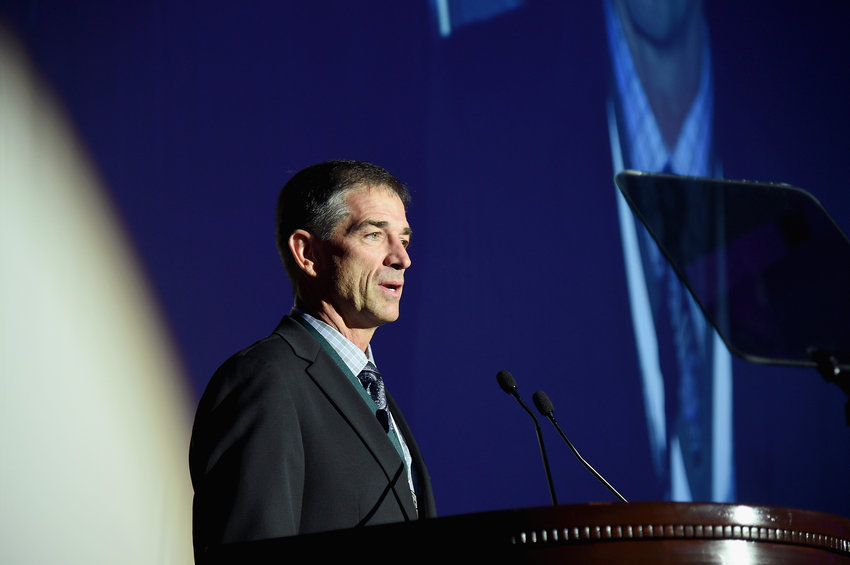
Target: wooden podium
[(637, 532)]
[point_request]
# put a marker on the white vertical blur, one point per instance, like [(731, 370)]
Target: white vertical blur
[(94, 423)]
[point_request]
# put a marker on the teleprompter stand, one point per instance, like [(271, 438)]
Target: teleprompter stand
[(766, 263)]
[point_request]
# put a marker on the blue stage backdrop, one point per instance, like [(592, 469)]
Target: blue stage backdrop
[(508, 120)]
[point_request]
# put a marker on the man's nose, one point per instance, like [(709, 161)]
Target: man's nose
[(397, 257)]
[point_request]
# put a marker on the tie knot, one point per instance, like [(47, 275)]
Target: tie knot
[(374, 385)]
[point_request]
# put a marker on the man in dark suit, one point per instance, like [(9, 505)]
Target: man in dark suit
[(295, 434)]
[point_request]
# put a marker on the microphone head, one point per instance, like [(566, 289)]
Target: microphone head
[(506, 381), (543, 404)]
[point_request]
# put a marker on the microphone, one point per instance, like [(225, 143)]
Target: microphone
[(508, 384), (544, 405)]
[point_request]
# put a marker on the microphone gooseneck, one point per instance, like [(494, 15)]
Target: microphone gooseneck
[(544, 406), (508, 384)]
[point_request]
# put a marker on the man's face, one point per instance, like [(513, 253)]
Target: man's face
[(367, 258)]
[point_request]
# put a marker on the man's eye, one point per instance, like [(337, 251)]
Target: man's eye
[(373, 235)]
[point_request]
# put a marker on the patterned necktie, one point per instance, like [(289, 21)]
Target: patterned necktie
[(374, 385)]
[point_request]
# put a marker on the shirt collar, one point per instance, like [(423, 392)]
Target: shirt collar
[(351, 355)]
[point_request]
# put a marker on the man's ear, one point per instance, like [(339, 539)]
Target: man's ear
[(305, 249)]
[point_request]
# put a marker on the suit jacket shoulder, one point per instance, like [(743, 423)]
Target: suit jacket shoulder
[(283, 444)]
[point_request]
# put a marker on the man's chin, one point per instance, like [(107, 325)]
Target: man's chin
[(375, 319), (387, 317)]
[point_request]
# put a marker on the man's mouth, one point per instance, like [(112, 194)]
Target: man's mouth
[(394, 287)]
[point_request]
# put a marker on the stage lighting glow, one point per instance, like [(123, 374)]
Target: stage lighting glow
[(94, 418)]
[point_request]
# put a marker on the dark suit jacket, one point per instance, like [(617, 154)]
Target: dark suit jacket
[(283, 444)]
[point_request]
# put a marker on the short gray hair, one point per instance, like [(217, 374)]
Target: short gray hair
[(314, 200)]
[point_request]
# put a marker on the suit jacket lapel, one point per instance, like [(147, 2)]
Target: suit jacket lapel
[(350, 404), (424, 493)]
